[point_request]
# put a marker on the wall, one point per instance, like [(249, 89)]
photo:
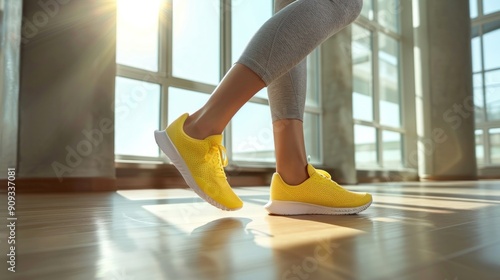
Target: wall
[(67, 89), (336, 90), (443, 75)]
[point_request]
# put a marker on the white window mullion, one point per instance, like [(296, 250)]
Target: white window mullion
[(378, 29), (226, 57), (163, 41), (486, 124), (376, 98), (486, 146), (168, 38), (481, 42), (164, 63)]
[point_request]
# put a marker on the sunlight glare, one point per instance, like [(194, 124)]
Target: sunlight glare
[(142, 12), (137, 33)]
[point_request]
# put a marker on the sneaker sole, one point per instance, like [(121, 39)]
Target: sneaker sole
[(173, 154), (289, 208)]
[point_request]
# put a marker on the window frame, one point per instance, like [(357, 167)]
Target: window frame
[(164, 77), (375, 28), (486, 125)]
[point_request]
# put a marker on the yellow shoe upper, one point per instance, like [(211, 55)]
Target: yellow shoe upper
[(205, 160), (319, 189)]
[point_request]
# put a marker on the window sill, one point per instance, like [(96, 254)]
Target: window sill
[(489, 172), (153, 175), (377, 174)]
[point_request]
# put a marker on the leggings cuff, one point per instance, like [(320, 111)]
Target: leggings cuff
[(256, 68)]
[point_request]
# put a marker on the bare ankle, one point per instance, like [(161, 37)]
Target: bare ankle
[(294, 176), (192, 129), (196, 128)]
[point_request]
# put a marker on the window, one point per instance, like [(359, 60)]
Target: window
[(170, 56), (247, 17), (473, 8), (486, 79), (491, 6), (136, 115), (483, 7), (196, 41), (377, 109), (138, 90), (137, 34)]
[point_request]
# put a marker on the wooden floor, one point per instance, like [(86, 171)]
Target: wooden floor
[(412, 231)]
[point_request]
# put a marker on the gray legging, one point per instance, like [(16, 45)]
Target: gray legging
[(278, 51)]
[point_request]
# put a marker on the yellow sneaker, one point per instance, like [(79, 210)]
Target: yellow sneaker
[(317, 195), (200, 162)]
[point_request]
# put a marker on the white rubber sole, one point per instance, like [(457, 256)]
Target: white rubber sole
[(288, 208), (170, 150)]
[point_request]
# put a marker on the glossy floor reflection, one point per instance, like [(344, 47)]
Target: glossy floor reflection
[(412, 231)]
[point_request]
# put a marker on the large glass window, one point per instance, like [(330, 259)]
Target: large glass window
[(367, 11), (486, 78), (247, 17), (483, 7), (196, 41), (474, 12), (479, 147), (495, 145), (492, 85), (377, 109), (389, 93), (137, 34), (137, 107), (363, 73), (388, 14), (252, 133), (491, 6), (365, 139), (312, 128), (392, 148), (182, 101), (170, 57)]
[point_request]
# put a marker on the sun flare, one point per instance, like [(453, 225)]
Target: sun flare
[(138, 12)]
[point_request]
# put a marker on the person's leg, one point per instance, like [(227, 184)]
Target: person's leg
[(291, 159), (280, 44), (297, 188), (287, 97), (193, 143), (237, 87)]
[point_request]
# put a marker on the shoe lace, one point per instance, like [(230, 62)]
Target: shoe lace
[(327, 175), (218, 155)]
